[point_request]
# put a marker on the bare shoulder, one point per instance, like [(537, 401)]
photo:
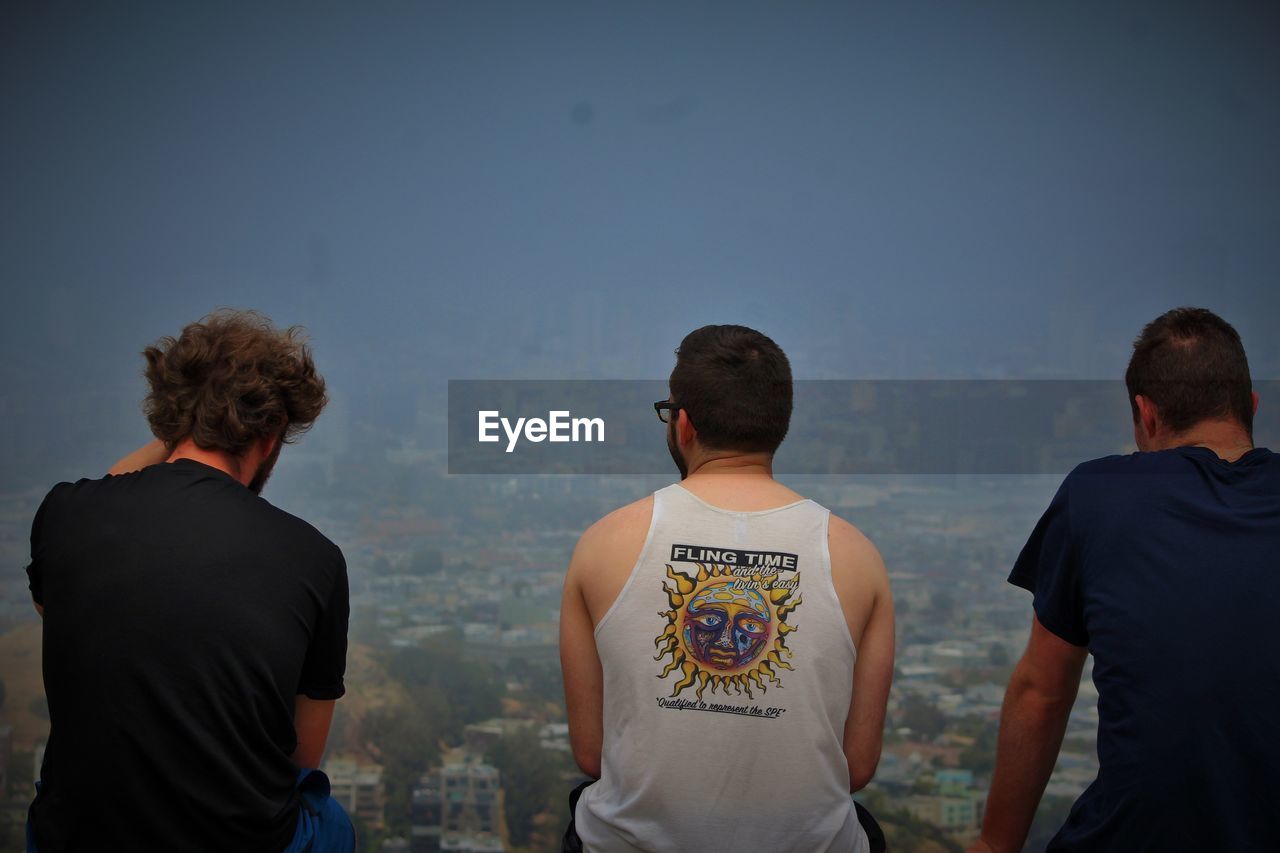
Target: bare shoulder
[(606, 553), (858, 575), (619, 527), (853, 556)]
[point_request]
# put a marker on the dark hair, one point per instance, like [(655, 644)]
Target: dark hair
[(1191, 364), (229, 380), (735, 385)]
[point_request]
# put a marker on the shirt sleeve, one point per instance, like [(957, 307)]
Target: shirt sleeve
[(1049, 569), (326, 661), (39, 548)]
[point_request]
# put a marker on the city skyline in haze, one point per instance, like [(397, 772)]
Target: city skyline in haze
[(444, 191)]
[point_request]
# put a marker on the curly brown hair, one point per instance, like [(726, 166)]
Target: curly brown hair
[(230, 379)]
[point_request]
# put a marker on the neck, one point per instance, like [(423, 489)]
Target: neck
[(1227, 439), (737, 464), (220, 459)]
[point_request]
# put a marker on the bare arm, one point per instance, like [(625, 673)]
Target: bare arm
[(1032, 722), (148, 454), (580, 663), (311, 721), (862, 585)]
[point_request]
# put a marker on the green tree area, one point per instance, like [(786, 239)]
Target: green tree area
[(459, 689), (903, 831), (923, 717), (980, 756), (542, 682), (446, 691), (536, 796)]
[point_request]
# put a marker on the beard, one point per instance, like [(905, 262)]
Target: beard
[(674, 449), (264, 470)]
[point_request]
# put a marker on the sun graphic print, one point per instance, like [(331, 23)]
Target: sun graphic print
[(725, 630)]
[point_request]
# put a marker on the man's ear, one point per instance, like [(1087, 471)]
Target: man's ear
[(267, 444), (685, 430), (1148, 415), (1254, 395)]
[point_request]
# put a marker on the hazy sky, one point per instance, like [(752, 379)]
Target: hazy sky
[(563, 190)]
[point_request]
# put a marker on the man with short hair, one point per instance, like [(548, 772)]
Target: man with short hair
[(194, 634), (727, 645), (1162, 564)]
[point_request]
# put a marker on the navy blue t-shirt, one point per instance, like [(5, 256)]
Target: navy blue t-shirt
[(1166, 565)]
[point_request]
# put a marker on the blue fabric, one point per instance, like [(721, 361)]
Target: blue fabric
[(1165, 565), (323, 825)]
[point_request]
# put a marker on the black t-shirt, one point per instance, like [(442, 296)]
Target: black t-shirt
[(1166, 566), (182, 616)]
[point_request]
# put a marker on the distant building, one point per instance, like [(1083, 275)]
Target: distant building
[(471, 844), (479, 738), (555, 736), (947, 812), (457, 808), (953, 783), (918, 672), (359, 788)]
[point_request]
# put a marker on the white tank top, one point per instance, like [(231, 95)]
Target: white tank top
[(728, 673)]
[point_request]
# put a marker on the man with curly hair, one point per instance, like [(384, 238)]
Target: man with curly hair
[(194, 635)]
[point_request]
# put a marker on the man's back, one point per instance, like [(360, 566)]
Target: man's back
[(1165, 565), (183, 614), (727, 662)]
